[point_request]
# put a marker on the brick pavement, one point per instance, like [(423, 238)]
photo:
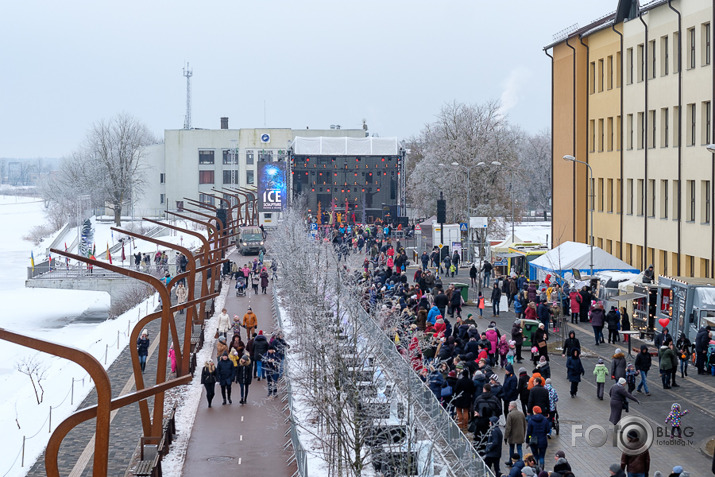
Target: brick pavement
[(586, 410), (246, 439), (125, 430)]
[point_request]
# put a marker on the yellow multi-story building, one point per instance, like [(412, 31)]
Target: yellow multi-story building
[(632, 97)]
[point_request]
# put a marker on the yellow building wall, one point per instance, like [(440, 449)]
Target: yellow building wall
[(604, 111), (569, 189)]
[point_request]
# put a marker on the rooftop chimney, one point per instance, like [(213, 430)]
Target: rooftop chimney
[(224, 123)]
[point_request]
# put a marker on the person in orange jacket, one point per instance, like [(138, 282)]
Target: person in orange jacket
[(250, 322)]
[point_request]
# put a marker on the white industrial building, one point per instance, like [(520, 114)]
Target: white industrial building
[(192, 162)]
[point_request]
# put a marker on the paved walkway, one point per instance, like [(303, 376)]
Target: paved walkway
[(241, 439), (76, 452), (696, 394)]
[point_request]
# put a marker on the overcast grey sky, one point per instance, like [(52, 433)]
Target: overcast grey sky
[(314, 63)]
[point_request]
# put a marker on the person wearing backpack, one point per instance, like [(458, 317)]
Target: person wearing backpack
[(485, 406)]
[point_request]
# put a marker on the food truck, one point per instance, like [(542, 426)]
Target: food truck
[(689, 304)]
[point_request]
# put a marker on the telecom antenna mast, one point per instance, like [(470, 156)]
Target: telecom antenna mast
[(187, 74)]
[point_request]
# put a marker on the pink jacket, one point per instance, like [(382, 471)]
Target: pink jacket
[(493, 339)]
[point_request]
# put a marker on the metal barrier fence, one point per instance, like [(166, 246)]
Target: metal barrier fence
[(454, 447), (301, 458)]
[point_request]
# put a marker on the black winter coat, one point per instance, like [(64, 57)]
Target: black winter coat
[(643, 360), (463, 392), (225, 372), (538, 396), (260, 347), (244, 374), (510, 389), (523, 387)]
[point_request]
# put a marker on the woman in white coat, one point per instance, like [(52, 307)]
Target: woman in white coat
[(224, 323)]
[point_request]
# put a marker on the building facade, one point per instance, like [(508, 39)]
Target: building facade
[(632, 97), (191, 163)]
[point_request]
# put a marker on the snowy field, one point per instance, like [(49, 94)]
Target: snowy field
[(74, 318)]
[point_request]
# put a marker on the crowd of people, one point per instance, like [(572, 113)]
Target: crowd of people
[(259, 357), (458, 358)]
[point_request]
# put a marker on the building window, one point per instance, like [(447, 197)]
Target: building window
[(651, 55), (705, 37), (691, 45), (609, 196), (676, 126), (663, 199), (651, 197), (609, 133), (639, 197), (651, 118), (629, 253), (676, 195), (641, 62), (592, 77), (600, 195), (206, 177), (641, 130), (161, 199), (206, 157), (629, 66), (691, 201), (618, 69), (676, 52), (601, 135), (664, 130), (180, 205), (705, 268), (629, 196), (162, 178), (592, 127), (689, 266), (249, 158), (601, 74), (206, 199), (591, 197), (230, 176), (230, 156), (664, 55), (664, 261), (249, 177), (618, 132), (266, 156), (609, 72), (629, 137), (619, 192), (705, 201), (691, 121), (705, 133), (281, 155)]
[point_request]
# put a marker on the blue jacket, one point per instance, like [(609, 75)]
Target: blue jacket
[(225, 371), (516, 469), (436, 382), (432, 315), (539, 426), (509, 390)]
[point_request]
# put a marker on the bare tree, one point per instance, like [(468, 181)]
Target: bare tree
[(36, 371), (107, 166)]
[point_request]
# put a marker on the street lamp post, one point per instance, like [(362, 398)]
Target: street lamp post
[(483, 248), (571, 158)]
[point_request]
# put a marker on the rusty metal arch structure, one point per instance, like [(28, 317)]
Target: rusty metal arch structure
[(204, 256), (166, 317), (251, 200), (102, 410)]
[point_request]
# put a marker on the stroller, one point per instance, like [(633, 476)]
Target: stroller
[(241, 286)]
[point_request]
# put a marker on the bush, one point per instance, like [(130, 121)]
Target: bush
[(130, 298), (38, 233)]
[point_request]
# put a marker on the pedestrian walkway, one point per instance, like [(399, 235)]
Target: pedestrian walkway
[(246, 439), (586, 410)]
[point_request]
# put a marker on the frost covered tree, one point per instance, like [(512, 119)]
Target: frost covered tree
[(32, 367), (107, 167), (337, 357), (469, 134)]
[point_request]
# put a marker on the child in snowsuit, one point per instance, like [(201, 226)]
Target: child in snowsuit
[(631, 374), (503, 348), (511, 353), (674, 417), (600, 371)]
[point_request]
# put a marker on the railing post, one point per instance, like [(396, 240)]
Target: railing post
[(22, 461), (49, 426), (106, 350), (72, 393), (117, 339)]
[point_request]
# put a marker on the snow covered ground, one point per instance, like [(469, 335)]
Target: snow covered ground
[(75, 318)]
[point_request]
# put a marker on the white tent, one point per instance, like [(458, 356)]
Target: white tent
[(503, 247), (573, 255)]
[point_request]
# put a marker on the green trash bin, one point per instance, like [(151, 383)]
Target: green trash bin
[(463, 288), (528, 328)]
